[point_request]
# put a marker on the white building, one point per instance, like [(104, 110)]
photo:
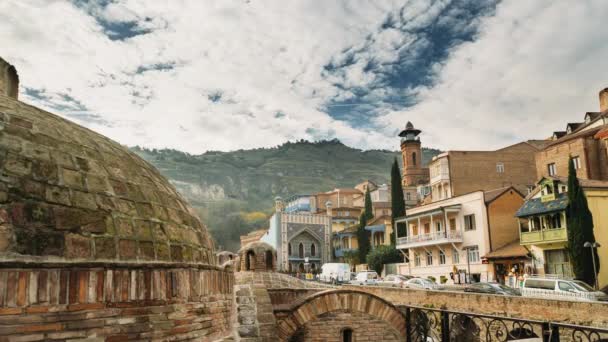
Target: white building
[(451, 236)]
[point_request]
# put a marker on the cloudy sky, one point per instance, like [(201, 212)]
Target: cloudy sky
[(229, 74)]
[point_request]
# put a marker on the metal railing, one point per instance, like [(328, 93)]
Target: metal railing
[(428, 324), (434, 236)]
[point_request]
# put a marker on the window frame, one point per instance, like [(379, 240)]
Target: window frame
[(442, 258), (473, 254), (455, 256), (469, 223), (429, 257), (500, 167), (576, 160), (551, 169)]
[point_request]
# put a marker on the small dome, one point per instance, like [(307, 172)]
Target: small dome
[(68, 193), (409, 125)]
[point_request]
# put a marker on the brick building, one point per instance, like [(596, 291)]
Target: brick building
[(94, 240), (584, 141)]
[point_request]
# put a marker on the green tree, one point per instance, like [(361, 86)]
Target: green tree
[(381, 255), (363, 237), (580, 230), (397, 200), (351, 257), (369, 211)]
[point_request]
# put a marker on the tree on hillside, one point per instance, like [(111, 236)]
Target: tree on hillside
[(369, 211), (580, 230), (397, 200), (363, 237)]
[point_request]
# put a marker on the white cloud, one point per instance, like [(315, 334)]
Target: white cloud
[(533, 67)]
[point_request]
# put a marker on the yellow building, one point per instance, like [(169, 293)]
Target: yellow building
[(544, 231)]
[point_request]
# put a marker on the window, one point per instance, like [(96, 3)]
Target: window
[(469, 222), (556, 220), (313, 250), (455, 256), (408, 196), (441, 258), (473, 254), (289, 248), (577, 162), (301, 250), (438, 225), (429, 258), (453, 224), (551, 169), (414, 159), (565, 286), (500, 167), (417, 259)]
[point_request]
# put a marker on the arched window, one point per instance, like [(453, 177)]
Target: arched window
[(250, 261), (313, 250), (347, 335), (414, 158), (289, 248), (301, 250)]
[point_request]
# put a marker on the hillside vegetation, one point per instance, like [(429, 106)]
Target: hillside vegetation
[(234, 191)]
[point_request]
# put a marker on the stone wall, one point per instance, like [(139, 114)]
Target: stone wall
[(330, 327), (575, 312), (590, 151), (114, 304)]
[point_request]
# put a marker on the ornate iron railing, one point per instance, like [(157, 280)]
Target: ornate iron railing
[(436, 325)]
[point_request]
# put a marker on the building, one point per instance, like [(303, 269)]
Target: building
[(380, 228), (450, 236), (90, 229), (301, 238), (414, 173), (585, 142), (544, 230)]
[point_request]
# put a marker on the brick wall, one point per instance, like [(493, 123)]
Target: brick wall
[(584, 313), (503, 225), (593, 164), (329, 327), (114, 304)]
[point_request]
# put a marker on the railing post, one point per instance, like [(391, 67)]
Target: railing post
[(408, 325), (550, 333), (445, 326)]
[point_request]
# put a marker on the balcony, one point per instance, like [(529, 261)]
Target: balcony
[(544, 236), (435, 238), (339, 252)]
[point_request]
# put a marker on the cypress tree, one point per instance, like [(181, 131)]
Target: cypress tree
[(580, 230), (369, 211), (363, 237), (397, 200)]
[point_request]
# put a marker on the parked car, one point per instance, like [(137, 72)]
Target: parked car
[(335, 273), (421, 283), (492, 288), (366, 278), (561, 289), (394, 280)]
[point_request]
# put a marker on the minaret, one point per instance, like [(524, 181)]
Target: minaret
[(411, 152)]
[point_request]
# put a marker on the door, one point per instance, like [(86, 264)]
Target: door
[(558, 262)]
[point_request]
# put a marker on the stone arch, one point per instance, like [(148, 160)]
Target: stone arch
[(250, 261), (313, 308), (258, 257)]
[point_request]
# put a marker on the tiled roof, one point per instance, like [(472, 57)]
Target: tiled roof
[(535, 206), (381, 204), (510, 250), (579, 134), (585, 183), (379, 219), (491, 195)]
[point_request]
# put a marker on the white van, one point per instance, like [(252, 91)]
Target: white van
[(366, 278), (335, 273), (561, 289)]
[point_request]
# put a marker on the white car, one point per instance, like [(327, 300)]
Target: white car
[(394, 280), (421, 283), (561, 289), (366, 278), (335, 273)]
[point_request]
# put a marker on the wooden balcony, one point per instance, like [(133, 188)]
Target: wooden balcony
[(544, 236)]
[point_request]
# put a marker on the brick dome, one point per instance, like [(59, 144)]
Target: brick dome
[(70, 194)]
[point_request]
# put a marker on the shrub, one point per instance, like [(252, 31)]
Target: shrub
[(431, 278), (443, 279), (381, 255)]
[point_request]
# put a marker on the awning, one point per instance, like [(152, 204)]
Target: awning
[(509, 251), (376, 228)]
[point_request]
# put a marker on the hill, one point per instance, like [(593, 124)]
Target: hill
[(234, 191)]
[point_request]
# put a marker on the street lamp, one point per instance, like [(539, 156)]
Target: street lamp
[(593, 246)]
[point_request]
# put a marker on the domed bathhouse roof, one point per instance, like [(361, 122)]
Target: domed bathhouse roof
[(85, 224)]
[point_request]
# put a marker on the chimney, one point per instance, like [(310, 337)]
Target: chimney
[(604, 100), (329, 209), (9, 80)]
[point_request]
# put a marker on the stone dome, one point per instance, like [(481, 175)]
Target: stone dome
[(70, 194)]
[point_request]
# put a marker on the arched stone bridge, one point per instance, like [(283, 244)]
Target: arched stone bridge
[(326, 315)]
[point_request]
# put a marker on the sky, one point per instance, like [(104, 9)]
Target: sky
[(238, 74)]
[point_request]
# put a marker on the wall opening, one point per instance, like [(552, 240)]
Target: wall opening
[(250, 261), (414, 158), (347, 335), (12, 86), (269, 260), (301, 250), (313, 250)]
